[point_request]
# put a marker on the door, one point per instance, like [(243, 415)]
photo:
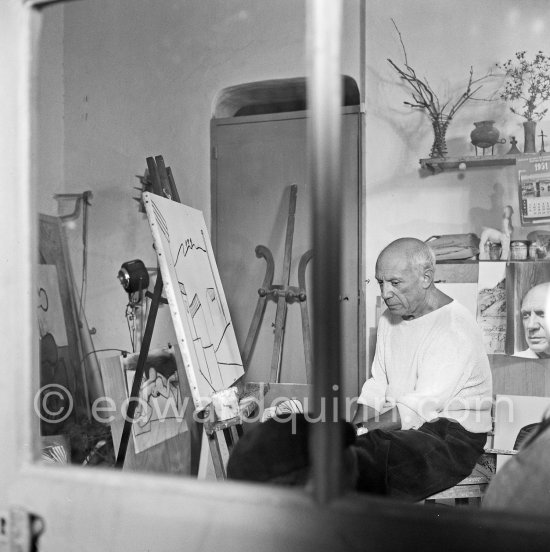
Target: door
[(255, 161)]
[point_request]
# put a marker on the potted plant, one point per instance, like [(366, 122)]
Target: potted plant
[(527, 86)]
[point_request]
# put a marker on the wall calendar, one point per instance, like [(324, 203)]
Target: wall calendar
[(534, 189)]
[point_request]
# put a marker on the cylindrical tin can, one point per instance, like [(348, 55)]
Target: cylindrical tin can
[(533, 251), (519, 250), (495, 251)]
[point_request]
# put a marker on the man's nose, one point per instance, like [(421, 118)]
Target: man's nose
[(533, 321), (387, 290)]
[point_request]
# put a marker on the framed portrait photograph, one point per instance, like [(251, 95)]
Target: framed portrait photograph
[(527, 287)]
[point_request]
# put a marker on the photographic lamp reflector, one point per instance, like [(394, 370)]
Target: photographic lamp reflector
[(133, 276)]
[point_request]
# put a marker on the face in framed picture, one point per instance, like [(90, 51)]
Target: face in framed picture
[(528, 288)]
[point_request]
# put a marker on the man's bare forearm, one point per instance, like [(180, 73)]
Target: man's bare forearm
[(370, 418)]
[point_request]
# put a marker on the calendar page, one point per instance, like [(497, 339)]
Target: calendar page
[(534, 189)]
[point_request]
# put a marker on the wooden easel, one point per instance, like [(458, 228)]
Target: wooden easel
[(162, 183), (283, 294)]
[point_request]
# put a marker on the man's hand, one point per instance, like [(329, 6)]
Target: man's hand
[(370, 418)]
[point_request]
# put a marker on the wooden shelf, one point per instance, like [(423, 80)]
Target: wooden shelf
[(467, 271), (477, 261), (438, 164)]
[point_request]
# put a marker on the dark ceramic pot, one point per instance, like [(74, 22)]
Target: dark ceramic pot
[(484, 135)]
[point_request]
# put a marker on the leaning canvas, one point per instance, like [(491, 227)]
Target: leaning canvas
[(205, 333), (516, 416), (160, 409)]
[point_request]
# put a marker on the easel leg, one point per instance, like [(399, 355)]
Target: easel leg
[(306, 330), (231, 437), (140, 368), (204, 457), (219, 449), (280, 316), (216, 454)]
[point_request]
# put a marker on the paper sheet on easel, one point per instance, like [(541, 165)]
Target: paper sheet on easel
[(205, 333)]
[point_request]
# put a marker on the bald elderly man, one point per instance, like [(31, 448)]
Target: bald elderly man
[(532, 312), (426, 409)]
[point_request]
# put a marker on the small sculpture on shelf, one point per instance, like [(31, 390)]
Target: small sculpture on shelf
[(494, 236), (514, 150)]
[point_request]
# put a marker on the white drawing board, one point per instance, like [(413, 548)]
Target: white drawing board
[(205, 333)]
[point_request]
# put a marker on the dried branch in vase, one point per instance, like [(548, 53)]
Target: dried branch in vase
[(425, 98)]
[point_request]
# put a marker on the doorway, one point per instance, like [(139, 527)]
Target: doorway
[(258, 138)]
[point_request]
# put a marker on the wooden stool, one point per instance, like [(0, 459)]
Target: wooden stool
[(471, 489)]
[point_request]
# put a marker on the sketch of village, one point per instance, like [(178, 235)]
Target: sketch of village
[(491, 311), (184, 248)]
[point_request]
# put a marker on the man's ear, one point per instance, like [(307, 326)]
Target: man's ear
[(427, 278)]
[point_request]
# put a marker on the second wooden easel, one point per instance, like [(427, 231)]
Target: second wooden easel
[(283, 294)]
